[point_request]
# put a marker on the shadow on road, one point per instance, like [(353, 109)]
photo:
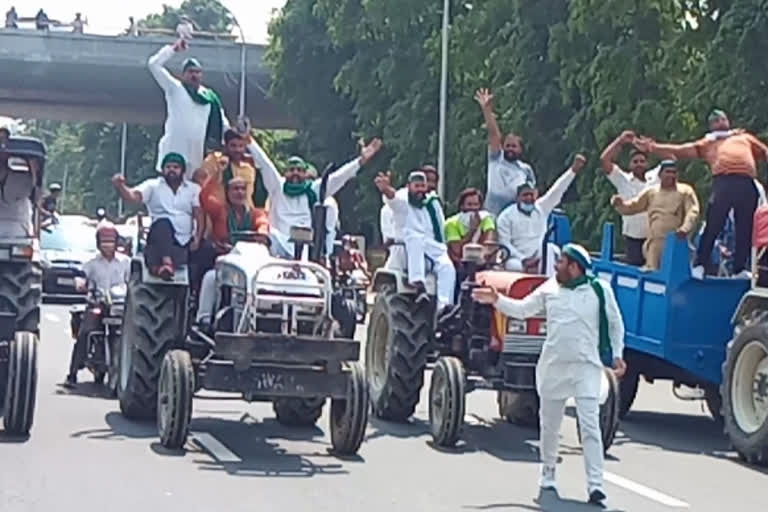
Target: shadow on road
[(118, 427), (547, 501), (6, 438), (253, 443), (85, 389)]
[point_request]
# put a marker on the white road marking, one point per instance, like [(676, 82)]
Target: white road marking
[(51, 317), (215, 447), (644, 491)]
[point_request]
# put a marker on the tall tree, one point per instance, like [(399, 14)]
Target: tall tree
[(209, 15)]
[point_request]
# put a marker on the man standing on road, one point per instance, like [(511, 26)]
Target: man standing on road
[(420, 218), (584, 325), (506, 169), (522, 226), (732, 156), (293, 195), (195, 119), (629, 185), (671, 207), (174, 206)]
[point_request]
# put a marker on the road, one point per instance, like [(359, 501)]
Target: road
[(83, 455)]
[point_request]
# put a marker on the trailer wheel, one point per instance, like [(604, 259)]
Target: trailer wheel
[(628, 391), (174, 398), (349, 417), (744, 392), (21, 388), (298, 412), (609, 410), (519, 407), (447, 399)]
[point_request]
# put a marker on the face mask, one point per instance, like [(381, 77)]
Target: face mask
[(526, 208), (466, 217)]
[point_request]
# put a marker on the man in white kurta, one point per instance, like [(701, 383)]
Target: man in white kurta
[(189, 123), (420, 222), (570, 364), (293, 195), (522, 225)]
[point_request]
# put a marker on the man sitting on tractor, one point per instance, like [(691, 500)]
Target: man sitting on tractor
[(174, 206), (671, 207), (472, 225), (522, 226), (16, 188), (584, 328), (293, 196), (420, 218), (231, 222), (107, 269)]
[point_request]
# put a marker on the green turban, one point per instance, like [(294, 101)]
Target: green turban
[(174, 158)]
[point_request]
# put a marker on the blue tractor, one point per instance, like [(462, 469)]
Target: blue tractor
[(710, 335)]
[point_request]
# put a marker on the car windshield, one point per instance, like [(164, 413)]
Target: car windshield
[(68, 238)]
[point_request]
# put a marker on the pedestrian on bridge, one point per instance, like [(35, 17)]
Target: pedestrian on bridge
[(195, 121), (583, 323)]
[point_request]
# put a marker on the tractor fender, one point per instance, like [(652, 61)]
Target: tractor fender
[(754, 300)]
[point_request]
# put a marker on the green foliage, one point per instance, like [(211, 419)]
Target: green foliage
[(208, 15), (567, 75)]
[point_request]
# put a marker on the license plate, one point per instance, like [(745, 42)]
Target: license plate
[(65, 281)]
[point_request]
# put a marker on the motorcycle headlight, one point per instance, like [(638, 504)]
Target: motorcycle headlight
[(231, 276)]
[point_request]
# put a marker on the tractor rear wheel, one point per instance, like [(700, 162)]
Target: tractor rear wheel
[(298, 412), (21, 294), (399, 335), (519, 407), (744, 392), (21, 387), (447, 400), (150, 330)]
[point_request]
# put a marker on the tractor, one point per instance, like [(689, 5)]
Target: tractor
[(22, 162), (477, 347)]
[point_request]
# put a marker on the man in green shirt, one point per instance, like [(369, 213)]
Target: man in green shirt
[(470, 225)]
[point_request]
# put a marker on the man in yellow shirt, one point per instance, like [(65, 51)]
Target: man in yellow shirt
[(671, 206), (470, 225)]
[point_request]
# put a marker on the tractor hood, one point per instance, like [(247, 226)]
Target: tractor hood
[(513, 284)]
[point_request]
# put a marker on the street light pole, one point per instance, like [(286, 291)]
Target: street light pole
[(443, 99), (242, 70), (123, 143)]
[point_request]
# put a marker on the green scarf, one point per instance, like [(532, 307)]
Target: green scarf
[(260, 193), (605, 341), (205, 96), (301, 189), (429, 204), (234, 226)]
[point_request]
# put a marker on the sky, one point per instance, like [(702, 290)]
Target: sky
[(110, 17)]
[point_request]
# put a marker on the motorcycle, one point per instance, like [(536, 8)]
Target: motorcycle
[(355, 288), (103, 350)]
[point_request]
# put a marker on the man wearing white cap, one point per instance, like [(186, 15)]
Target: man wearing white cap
[(419, 217), (584, 326)]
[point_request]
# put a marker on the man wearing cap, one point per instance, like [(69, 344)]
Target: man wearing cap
[(173, 204), (732, 156), (629, 185), (418, 216), (506, 168), (386, 217), (49, 203), (107, 269), (293, 195), (584, 329), (195, 118), (671, 207), (523, 225)]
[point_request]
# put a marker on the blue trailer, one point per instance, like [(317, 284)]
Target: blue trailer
[(710, 334)]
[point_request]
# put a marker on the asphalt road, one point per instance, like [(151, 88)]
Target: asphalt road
[(84, 456)]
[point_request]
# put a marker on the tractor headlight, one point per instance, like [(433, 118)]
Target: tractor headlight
[(228, 275), (516, 327)]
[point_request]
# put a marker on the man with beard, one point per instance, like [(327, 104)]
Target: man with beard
[(523, 225), (230, 220), (732, 156), (584, 328), (470, 225), (386, 216), (195, 117), (220, 167), (671, 207), (629, 185), (419, 220), (506, 169), (107, 269), (293, 195), (173, 204)]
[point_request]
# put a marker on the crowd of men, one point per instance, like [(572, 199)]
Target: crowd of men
[(43, 22)]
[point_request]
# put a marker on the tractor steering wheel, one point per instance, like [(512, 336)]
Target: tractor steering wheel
[(497, 254)]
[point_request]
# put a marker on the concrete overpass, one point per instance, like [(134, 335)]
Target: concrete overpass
[(75, 77)]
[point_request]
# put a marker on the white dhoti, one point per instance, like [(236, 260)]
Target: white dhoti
[(551, 418), (418, 250)]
